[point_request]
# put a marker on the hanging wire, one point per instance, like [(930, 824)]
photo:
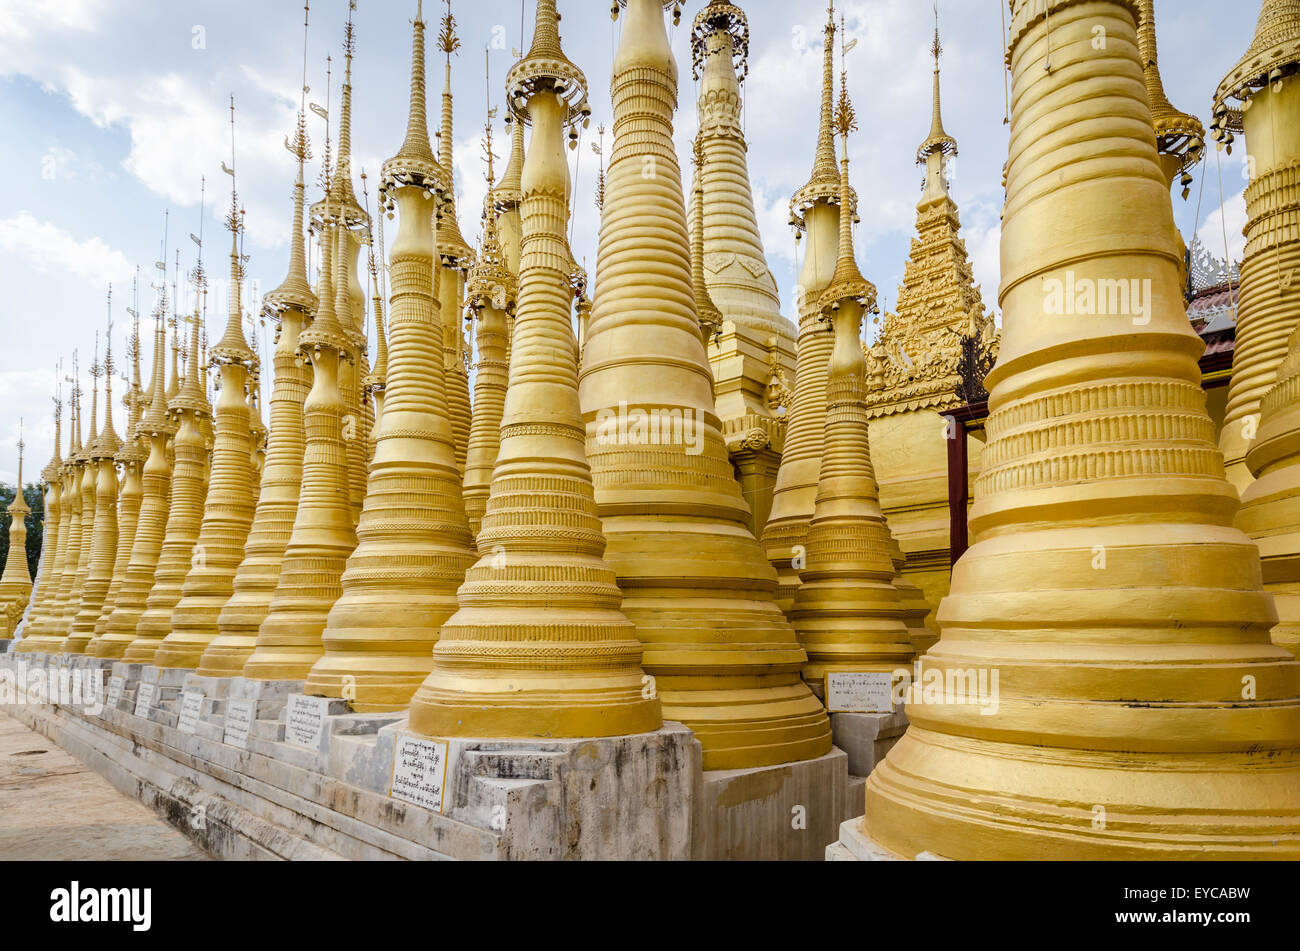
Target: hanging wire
[(1223, 221)]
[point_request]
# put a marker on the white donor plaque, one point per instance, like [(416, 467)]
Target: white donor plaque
[(115, 685), (191, 707), (239, 722), (859, 691), (144, 695), (304, 720), (419, 771)]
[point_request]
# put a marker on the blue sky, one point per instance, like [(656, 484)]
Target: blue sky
[(114, 109)]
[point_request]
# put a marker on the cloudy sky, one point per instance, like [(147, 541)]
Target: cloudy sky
[(113, 111)]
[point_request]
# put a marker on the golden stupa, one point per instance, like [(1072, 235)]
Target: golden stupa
[(694, 579), (814, 210), (103, 541), (157, 427), (847, 612), (539, 646), (84, 483), (16, 581), (189, 486), (1141, 710), (413, 542), (47, 581), (228, 506), (131, 458)]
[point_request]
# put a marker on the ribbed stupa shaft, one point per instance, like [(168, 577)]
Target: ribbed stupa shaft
[(129, 498), (694, 580), (151, 525), (16, 581), (88, 476), (736, 269), (189, 487), (1139, 710), (47, 572), (490, 385), (103, 552), (1268, 306), (539, 646), (413, 543), (38, 636), (1270, 510), (289, 639)]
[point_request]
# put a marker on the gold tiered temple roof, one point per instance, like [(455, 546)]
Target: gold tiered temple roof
[(914, 363)]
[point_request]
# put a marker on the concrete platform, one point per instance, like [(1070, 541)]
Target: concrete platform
[(57, 809), (867, 737)]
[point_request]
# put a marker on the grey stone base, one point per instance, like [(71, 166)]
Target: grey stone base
[(637, 797), (855, 845), (168, 678), (867, 737), (609, 798), (792, 811)]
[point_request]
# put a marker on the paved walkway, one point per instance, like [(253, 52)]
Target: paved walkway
[(54, 808)]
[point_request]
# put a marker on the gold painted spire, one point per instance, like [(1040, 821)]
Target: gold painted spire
[(455, 251), (1272, 54), (1178, 135), (190, 480), (938, 141), (847, 283), (131, 458), (457, 257), (107, 443), (296, 290), (415, 160), (86, 479), (824, 184)]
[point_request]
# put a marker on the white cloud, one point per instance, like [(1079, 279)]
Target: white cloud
[(17, 16), (50, 249)]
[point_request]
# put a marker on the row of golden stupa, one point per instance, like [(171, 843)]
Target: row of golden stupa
[(541, 563)]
